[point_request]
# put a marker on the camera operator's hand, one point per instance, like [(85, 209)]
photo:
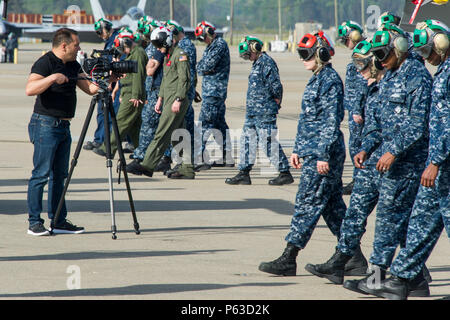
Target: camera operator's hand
[(59, 78), (136, 102), (176, 106), (158, 105)]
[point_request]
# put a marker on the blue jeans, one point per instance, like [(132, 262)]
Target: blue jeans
[(51, 139), (99, 134)]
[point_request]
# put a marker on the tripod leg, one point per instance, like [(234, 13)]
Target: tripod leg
[(123, 164), (109, 165), (74, 161)]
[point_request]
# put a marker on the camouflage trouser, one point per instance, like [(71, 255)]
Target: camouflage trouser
[(430, 213), (318, 195), (397, 195), (355, 140), (212, 116), (363, 200), (150, 120), (258, 130)]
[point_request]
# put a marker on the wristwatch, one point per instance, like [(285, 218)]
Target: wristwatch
[(178, 99)]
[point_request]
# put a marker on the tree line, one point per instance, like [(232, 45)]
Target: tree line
[(249, 15)]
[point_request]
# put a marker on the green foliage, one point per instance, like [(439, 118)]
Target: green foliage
[(249, 14)]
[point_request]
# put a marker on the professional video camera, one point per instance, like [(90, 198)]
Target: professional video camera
[(100, 65)]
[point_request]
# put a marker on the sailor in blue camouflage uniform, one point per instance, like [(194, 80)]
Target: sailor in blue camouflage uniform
[(405, 93), (350, 34), (264, 96), (348, 259), (320, 143), (215, 69), (431, 210), (150, 118)]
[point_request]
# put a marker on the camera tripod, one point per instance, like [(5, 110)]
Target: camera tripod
[(103, 98)]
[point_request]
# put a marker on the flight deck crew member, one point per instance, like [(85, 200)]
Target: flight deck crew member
[(320, 143), (264, 96), (405, 93), (350, 34), (215, 69), (431, 210), (365, 193)]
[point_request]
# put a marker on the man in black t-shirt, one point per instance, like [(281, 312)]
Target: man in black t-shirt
[(53, 79)]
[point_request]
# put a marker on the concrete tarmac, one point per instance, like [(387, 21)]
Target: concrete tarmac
[(200, 239)]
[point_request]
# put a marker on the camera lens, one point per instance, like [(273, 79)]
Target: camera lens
[(125, 67)]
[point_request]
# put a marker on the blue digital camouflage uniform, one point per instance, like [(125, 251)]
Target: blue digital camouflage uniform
[(432, 206), (264, 86), (405, 94), (215, 69), (354, 97), (319, 138), (365, 191)]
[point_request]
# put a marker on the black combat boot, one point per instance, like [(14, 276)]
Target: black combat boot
[(376, 275), (357, 265), (202, 167), (163, 165), (426, 274), (135, 168), (347, 190), (283, 178), (284, 265), (333, 269), (396, 288), (243, 177)]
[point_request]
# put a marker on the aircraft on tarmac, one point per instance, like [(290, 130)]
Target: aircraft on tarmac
[(85, 31), (7, 27)]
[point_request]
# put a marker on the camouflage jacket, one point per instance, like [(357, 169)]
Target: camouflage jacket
[(264, 86), (405, 95), (439, 151), (215, 69), (318, 130), (354, 91)]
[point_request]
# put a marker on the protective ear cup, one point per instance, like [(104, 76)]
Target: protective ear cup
[(401, 44), (255, 46), (355, 36), (441, 43), (323, 54), (210, 31)]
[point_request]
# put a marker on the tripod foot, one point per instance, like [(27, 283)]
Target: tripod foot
[(136, 228), (114, 237)]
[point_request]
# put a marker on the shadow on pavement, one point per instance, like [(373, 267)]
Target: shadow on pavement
[(144, 289)]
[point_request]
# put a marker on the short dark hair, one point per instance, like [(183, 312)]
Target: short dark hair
[(63, 35)]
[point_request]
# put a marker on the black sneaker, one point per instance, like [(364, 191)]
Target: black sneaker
[(67, 228), (91, 145), (38, 229)]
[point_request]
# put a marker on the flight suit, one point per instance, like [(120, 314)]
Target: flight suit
[(175, 84)]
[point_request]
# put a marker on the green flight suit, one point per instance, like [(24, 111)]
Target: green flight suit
[(132, 87), (175, 84)]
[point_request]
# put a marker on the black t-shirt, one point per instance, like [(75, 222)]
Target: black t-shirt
[(157, 77), (59, 100)]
